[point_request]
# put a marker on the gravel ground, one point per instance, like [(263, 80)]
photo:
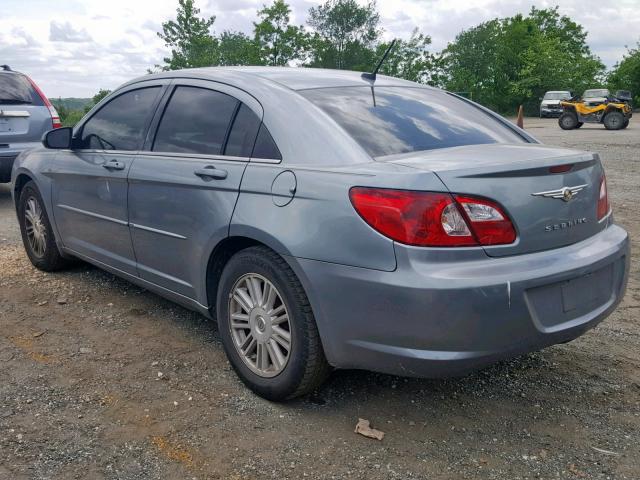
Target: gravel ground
[(101, 379)]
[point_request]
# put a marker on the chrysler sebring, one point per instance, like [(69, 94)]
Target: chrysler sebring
[(330, 219)]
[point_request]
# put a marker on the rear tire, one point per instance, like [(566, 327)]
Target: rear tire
[(568, 121), (257, 337), (614, 120), (579, 124), (625, 124), (37, 234)]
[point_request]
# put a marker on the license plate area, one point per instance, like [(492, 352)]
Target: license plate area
[(588, 291), (557, 303)]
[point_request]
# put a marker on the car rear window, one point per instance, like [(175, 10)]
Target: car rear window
[(16, 89), (394, 120)]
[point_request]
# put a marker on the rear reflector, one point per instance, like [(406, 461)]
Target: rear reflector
[(433, 219), (603, 199), (561, 168), (55, 118)]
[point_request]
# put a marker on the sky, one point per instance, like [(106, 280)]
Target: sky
[(72, 48)]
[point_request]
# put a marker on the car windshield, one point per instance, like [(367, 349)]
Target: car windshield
[(394, 120), (557, 96), (596, 93), (14, 89)]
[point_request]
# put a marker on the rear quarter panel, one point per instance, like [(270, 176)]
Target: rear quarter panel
[(320, 223)]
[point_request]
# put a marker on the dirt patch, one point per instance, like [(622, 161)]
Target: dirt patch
[(101, 379)]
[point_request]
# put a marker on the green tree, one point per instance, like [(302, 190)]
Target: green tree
[(511, 61), (236, 48), (97, 98), (626, 74), (346, 34), (190, 39), (409, 59), (278, 41)]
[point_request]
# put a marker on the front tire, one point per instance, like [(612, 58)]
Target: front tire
[(37, 234), (613, 120), (568, 121), (267, 326), (625, 124)]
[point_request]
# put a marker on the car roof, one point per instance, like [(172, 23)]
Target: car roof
[(557, 91), (294, 78)]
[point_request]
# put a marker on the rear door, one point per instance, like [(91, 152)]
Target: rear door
[(90, 181), (184, 185)]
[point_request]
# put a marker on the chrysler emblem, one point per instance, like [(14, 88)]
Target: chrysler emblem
[(564, 193)]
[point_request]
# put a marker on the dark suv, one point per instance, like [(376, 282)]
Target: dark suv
[(25, 115)]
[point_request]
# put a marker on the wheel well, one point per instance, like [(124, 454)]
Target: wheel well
[(21, 181), (219, 258)]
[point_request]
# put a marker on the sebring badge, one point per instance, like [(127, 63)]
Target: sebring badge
[(564, 193)]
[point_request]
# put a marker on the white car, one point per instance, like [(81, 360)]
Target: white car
[(550, 103)]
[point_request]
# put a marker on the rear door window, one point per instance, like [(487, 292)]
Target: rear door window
[(243, 133), (120, 124), (395, 120), (196, 120)]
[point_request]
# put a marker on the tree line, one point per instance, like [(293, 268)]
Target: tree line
[(501, 63)]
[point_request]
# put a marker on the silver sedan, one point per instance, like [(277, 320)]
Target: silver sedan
[(330, 219)]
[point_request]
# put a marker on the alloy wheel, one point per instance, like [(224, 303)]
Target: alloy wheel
[(260, 325), (35, 227)]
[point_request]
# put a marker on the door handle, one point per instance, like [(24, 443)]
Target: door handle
[(114, 165), (211, 172)]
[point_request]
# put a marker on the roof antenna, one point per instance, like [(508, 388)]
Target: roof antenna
[(372, 76)]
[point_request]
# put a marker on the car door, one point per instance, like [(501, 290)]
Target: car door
[(89, 188), (183, 187)]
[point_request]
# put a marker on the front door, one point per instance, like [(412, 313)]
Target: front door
[(184, 185), (89, 182)]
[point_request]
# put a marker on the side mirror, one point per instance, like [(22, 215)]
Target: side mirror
[(58, 138)]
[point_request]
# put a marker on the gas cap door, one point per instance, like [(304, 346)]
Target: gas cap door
[(283, 188)]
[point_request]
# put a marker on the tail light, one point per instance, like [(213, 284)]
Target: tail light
[(603, 199), (433, 219), (55, 118)]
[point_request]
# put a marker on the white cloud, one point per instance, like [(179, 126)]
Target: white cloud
[(73, 48), (64, 32)]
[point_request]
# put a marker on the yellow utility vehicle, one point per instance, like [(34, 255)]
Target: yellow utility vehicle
[(595, 106)]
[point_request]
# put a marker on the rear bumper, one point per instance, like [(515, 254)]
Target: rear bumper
[(6, 164), (446, 317), (8, 156)]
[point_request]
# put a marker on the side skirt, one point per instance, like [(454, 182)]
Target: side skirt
[(152, 287)]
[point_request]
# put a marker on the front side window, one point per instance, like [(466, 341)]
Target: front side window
[(120, 124), (196, 120), (394, 120)]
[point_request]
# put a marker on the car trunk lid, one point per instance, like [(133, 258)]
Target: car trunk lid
[(520, 178)]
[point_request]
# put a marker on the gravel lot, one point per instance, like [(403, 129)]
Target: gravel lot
[(101, 379)]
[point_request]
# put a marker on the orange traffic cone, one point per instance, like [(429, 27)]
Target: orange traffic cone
[(520, 121)]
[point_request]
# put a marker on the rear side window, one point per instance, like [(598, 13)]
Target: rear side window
[(394, 120), (243, 133), (196, 120), (15, 89), (265, 146), (120, 124)]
